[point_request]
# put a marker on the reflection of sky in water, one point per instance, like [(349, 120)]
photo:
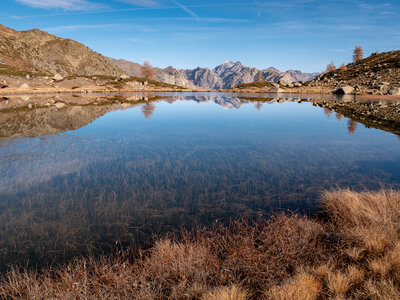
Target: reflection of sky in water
[(188, 163)]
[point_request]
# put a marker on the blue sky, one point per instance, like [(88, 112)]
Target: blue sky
[(293, 34)]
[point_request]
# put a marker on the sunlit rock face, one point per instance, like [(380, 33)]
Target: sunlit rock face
[(225, 76)]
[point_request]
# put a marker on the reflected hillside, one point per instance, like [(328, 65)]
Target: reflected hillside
[(37, 116), (50, 120), (379, 114)]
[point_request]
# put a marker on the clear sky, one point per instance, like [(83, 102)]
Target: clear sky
[(293, 34)]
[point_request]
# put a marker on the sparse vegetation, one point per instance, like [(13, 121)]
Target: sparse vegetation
[(11, 71), (351, 251), (330, 67), (258, 84), (358, 54), (148, 71)]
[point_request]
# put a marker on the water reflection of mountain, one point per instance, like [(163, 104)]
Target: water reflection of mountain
[(50, 117), (37, 116), (50, 120)]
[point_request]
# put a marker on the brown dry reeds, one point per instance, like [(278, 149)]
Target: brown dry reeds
[(353, 253)]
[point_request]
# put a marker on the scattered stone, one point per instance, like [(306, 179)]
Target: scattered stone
[(24, 86), (124, 77), (57, 77), (29, 105), (394, 91), (59, 104), (28, 77)]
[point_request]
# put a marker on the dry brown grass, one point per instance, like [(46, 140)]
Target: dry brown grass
[(203, 264), (338, 283), (368, 219), (226, 293), (301, 286), (352, 253)]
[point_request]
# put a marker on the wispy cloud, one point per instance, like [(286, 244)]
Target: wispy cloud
[(63, 4), (107, 10), (70, 28), (147, 3), (77, 27), (185, 8)]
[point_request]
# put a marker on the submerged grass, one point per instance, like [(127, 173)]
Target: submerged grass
[(352, 251)]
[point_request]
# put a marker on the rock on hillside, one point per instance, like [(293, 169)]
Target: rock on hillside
[(224, 76), (376, 74), (36, 51)]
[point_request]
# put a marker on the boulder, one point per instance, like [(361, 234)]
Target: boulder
[(276, 90), (59, 104), (344, 90), (394, 91), (24, 86), (124, 77), (57, 77)]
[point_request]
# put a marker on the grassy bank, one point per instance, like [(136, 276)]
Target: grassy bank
[(350, 251)]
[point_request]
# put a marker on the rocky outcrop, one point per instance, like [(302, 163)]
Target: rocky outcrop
[(376, 74), (36, 51)]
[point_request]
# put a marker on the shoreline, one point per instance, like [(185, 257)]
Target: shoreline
[(88, 91)]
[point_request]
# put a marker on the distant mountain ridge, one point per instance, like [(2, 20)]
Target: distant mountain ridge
[(225, 76), (37, 51)]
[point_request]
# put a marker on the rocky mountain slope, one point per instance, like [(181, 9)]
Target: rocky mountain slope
[(224, 76), (38, 52), (131, 68), (376, 74)]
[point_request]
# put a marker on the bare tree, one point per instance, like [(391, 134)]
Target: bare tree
[(148, 70), (352, 126), (330, 67), (358, 54), (148, 109), (328, 112)]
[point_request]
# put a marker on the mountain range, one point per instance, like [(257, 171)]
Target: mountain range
[(39, 52), (227, 75)]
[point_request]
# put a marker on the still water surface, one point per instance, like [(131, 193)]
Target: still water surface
[(181, 161)]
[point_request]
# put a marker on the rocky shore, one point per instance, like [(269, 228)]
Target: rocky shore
[(11, 84)]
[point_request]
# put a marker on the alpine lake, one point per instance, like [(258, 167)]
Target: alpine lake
[(82, 179)]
